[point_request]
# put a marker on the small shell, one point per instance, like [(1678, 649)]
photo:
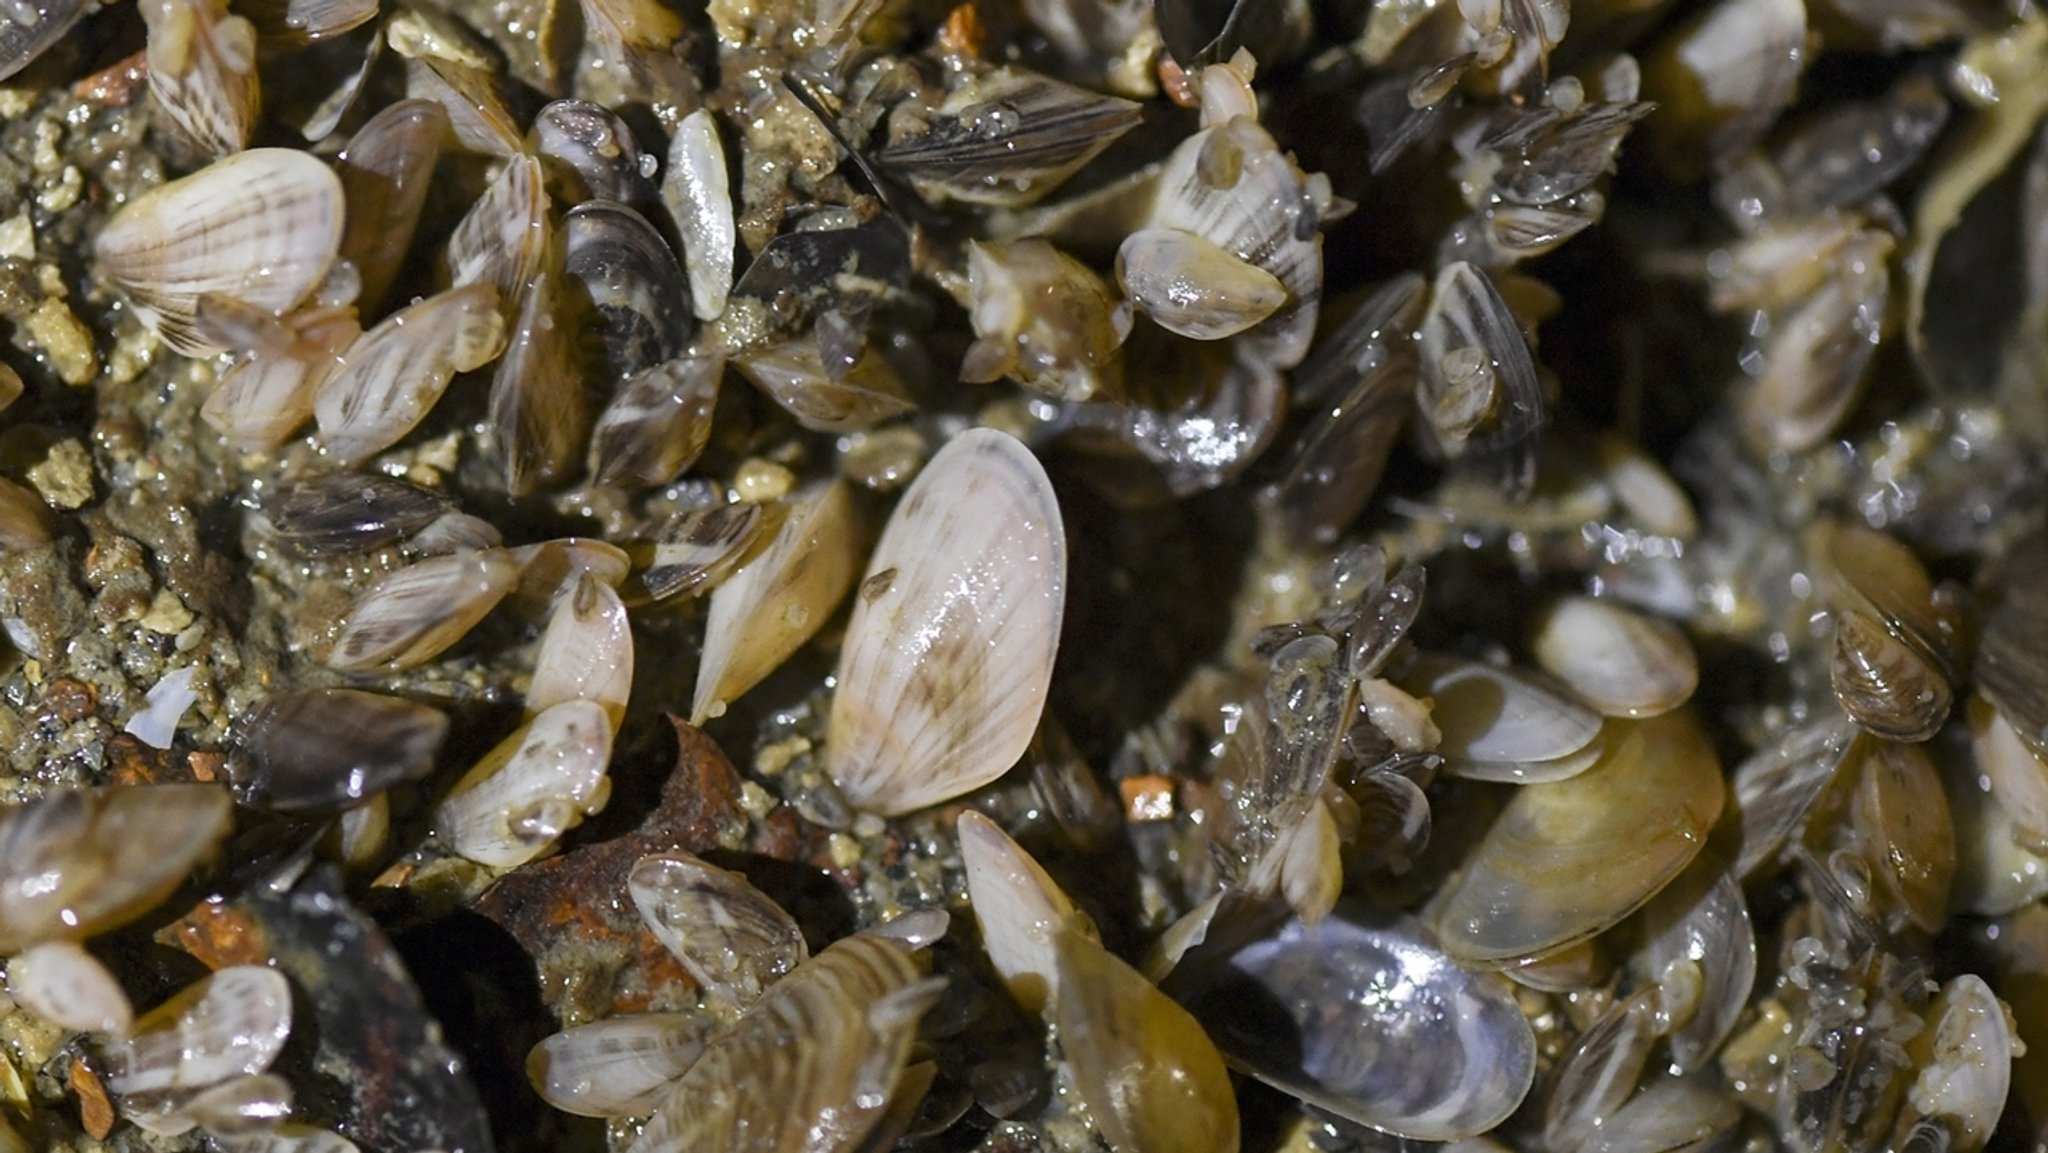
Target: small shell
[(657, 423), (385, 173), (1706, 925), (1619, 661), (414, 613), (586, 652), (1567, 859), (261, 227), (501, 241), (539, 783), (286, 1139), (1363, 1015), (1730, 69), (1818, 349), (390, 377), (1043, 319), (593, 152), (23, 518), (2011, 668), (1776, 786), (780, 598), (1479, 385), (538, 408), (269, 393), (1851, 151), (68, 987), (1499, 726), (241, 1106), (1020, 910), (308, 21), (1192, 287), (344, 514), (621, 1067), (202, 72), (730, 936), (476, 112), (2017, 774), (1599, 1073), (77, 863), (1995, 872), (1150, 1076), (808, 1069), (1965, 1062), (1666, 1116), (632, 280), (232, 1024), (322, 749), (949, 654), (694, 549), (699, 199), (830, 381), (1009, 136), (1900, 815)]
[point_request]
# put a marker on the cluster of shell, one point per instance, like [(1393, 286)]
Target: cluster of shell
[(1455, 858)]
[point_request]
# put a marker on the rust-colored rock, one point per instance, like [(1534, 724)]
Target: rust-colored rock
[(69, 701)]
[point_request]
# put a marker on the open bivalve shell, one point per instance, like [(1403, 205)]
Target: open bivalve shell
[(950, 651)]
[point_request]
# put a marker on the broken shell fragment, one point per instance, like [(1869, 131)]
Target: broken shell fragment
[(413, 614), (1569, 858), (261, 227), (621, 1067), (730, 936), (949, 653), (324, 749), (811, 1066), (539, 783), (1619, 661), (232, 1024), (781, 597), (77, 863), (1363, 1015), (68, 987)]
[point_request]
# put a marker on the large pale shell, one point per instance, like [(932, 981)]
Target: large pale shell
[(1363, 1015), (232, 1024), (390, 377), (810, 1068), (1020, 910), (949, 654), (1619, 661), (1667, 1115), (1497, 725), (68, 987), (73, 863), (261, 227), (539, 783), (622, 1067), (1995, 872), (780, 598), (1776, 786), (416, 612), (1151, 1077), (1570, 858), (731, 936), (698, 196)]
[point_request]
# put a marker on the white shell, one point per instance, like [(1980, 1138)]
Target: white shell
[(697, 194), (261, 226), (414, 613), (586, 653), (950, 651), (394, 373), (780, 598), (1967, 1071), (621, 1067), (539, 783), (1020, 910), (67, 986), (1619, 661), (232, 1024)]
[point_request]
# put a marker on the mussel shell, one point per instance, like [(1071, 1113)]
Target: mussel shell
[(632, 280), (347, 513), (322, 749), (21, 41), (593, 148), (1363, 1015)]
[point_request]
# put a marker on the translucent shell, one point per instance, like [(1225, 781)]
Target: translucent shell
[(950, 651), (1621, 662), (1569, 858), (731, 937)]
